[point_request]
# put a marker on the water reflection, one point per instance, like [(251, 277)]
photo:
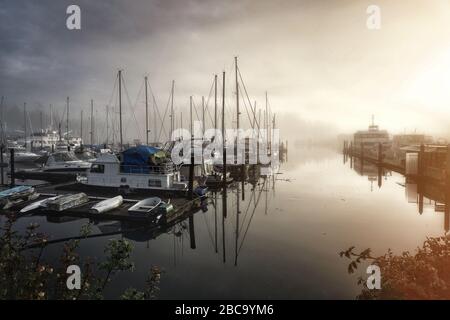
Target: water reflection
[(226, 215), (272, 237), (425, 193)]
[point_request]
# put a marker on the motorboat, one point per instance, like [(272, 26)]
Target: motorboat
[(25, 156), (65, 161), (67, 201), (16, 195), (107, 205)]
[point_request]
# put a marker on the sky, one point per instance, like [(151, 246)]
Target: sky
[(325, 72)]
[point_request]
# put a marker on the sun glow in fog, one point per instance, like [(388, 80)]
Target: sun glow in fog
[(430, 88)]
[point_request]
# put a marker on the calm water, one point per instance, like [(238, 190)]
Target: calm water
[(291, 229)]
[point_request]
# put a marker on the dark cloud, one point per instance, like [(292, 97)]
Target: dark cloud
[(316, 58)]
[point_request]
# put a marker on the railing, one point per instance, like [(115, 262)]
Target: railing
[(144, 169)]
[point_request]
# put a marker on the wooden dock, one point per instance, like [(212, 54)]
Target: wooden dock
[(433, 162)]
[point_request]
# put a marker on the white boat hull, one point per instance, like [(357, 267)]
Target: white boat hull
[(107, 205), (36, 205)]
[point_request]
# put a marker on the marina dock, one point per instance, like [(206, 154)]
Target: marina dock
[(430, 162)]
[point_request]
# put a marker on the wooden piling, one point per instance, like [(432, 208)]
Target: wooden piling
[(192, 232), (380, 153), (191, 165), (421, 166)]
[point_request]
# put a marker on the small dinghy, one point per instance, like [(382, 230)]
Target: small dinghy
[(107, 205), (151, 207), (13, 196), (145, 207), (36, 205), (67, 201)]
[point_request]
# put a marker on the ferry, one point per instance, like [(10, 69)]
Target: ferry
[(371, 137)]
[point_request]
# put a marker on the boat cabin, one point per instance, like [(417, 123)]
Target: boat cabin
[(139, 168)]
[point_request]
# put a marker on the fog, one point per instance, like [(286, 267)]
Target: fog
[(325, 72)]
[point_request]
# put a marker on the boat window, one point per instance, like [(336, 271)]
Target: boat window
[(154, 183), (98, 168), (123, 180)]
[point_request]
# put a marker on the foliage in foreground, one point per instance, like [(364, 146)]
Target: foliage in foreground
[(422, 275), (24, 274)]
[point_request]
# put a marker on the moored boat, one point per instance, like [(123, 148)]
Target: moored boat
[(67, 201), (150, 207), (140, 168), (107, 205), (13, 196), (65, 161), (144, 207), (36, 205)]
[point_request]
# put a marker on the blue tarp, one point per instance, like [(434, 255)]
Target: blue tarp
[(137, 158)]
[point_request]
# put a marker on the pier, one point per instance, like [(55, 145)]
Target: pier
[(425, 161)]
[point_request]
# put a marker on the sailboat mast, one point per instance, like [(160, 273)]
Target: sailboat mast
[(215, 103), (107, 126), (42, 131), (92, 123), (203, 117), (120, 109), (266, 121), (146, 112), (237, 97), (67, 121), (181, 125), (224, 152), (51, 117), (171, 109), (191, 151), (81, 127), (25, 122)]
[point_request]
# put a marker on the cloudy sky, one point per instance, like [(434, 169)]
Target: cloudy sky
[(322, 66)]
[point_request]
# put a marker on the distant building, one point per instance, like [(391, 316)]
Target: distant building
[(401, 143), (403, 140), (371, 137)]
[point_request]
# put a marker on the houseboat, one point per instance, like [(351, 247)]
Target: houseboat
[(137, 168)]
